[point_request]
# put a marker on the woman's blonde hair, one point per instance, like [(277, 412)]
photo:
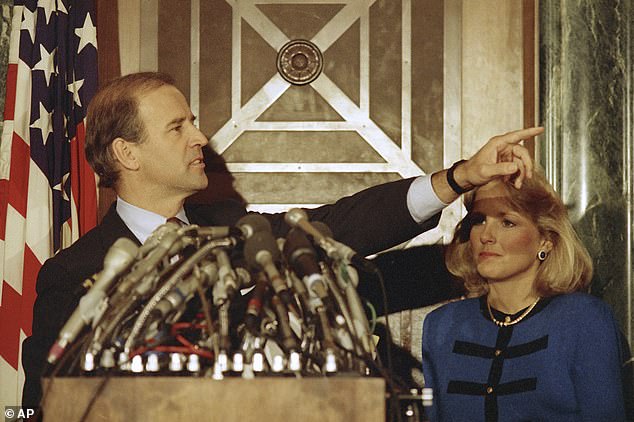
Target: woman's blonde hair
[(568, 266)]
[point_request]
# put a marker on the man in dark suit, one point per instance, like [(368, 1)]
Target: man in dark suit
[(142, 141)]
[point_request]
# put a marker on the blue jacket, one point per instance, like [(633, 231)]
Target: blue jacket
[(561, 363)]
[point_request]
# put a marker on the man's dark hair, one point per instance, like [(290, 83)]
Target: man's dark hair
[(113, 113)]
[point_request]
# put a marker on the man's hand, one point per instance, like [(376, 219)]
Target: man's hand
[(501, 156)]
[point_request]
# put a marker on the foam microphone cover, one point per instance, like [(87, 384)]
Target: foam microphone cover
[(260, 241)]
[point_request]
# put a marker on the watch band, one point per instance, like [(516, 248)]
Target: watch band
[(452, 181)]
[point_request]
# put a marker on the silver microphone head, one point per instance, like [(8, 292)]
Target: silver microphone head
[(294, 216), (253, 223), (120, 255)]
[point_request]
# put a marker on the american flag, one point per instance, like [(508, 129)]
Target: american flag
[(48, 195)]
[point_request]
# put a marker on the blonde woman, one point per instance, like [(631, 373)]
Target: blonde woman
[(529, 345)]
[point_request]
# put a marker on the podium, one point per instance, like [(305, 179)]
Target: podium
[(163, 399)]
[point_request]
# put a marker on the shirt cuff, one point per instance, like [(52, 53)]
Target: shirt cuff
[(422, 201)]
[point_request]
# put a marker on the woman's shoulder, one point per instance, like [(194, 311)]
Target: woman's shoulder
[(578, 299), (455, 308), (583, 305)]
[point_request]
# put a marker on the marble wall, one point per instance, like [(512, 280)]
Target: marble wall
[(5, 31), (586, 99)]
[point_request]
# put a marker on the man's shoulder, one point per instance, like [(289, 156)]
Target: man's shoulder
[(87, 244), (85, 255), (218, 213)]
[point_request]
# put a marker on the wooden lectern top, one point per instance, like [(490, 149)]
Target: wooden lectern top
[(267, 399)]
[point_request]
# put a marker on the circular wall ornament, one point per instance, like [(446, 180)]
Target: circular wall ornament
[(299, 62)]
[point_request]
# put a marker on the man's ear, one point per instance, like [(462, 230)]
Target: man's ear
[(124, 153)]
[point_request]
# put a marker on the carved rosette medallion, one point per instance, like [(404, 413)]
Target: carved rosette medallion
[(299, 62)]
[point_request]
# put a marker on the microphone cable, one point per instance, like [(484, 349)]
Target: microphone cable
[(95, 396), (393, 400), (56, 369)]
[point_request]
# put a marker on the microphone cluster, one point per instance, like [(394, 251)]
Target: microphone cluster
[(223, 301)]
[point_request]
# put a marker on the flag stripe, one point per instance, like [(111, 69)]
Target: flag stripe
[(10, 327), (19, 177), (9, 105), (83, 184)]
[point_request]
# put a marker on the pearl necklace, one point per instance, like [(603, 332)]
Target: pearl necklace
[(508, 320)]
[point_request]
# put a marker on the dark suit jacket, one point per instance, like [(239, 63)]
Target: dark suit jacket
[(369, 221)]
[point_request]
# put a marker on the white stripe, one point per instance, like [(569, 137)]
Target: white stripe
[(452, 108), (70, 231), (14, 42), (5, 149), (406, 79), (267, 95), (373, 134), (14, 249), (236, 70), (340, 23), (311, 167), (303, 126), (22, 118), (9, 386), (38, 214), (261, 24), (364, 63)]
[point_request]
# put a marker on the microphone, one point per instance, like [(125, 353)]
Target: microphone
[(168, 244), (303, 260), (118, 259), (254, 306), (261, 252), (289, 343), (216, 232), (357, 315), (228, 277), (253, 223), (156, 237), (185, 290), (297, 217)]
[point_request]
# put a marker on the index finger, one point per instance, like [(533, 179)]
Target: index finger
[(518, 135)]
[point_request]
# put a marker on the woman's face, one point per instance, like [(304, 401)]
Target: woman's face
[(504, 242)]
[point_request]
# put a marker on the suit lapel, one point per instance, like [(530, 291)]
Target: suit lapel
[(112, 228)]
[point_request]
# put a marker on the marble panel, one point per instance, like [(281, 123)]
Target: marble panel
[(586, 103), (5, 31), (491, 70)]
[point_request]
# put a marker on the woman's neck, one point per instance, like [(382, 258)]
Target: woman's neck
[(511, 297)]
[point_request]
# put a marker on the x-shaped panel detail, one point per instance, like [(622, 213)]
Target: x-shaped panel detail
[(356, 117)]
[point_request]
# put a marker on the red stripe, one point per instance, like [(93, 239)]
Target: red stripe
[(12, 82), (31, 268), (10, 328), (83, 183), (19, 174), (17, 311)]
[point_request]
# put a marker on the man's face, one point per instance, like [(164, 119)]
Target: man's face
[(170, 157)]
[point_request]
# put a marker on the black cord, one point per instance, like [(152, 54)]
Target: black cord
[(94, 397), (56, 369), (393, 397)]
